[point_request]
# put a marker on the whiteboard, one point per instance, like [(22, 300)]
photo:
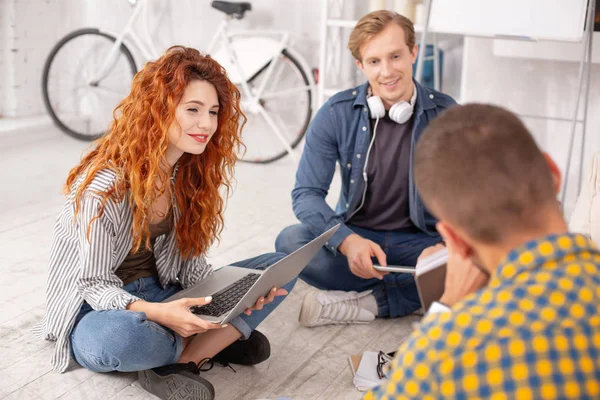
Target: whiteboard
[(561, 20)]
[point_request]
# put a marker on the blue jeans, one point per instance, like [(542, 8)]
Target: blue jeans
[(396, 295), (122, 340)]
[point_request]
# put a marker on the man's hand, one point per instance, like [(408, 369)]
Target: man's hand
[(359, 251), (463, 277), (429, 251)]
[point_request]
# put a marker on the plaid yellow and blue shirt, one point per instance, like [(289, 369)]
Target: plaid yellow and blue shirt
[(533, 333)]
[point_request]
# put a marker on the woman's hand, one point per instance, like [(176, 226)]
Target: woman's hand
[(176, 315), (260, 303)]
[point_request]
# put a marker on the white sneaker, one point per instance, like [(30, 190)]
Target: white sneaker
[(322, 307)]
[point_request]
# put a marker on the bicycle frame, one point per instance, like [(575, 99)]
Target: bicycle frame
[(268, 54), (263, 56), (144, 45)]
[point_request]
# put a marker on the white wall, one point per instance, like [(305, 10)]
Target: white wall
[(537, 87), (6, 57), (30, 28)]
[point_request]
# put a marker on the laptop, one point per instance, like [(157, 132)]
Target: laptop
[(235, 289), (430, 277)]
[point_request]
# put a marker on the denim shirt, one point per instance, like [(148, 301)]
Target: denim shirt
[(341, 132)]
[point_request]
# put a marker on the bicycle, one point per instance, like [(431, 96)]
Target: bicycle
[(275, 82)]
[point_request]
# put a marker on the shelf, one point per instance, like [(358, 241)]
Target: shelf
[(545, 50)]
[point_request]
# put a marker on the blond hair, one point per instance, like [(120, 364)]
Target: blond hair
[(375, 22)]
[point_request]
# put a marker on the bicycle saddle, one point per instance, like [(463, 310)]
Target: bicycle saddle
[(236, 10)]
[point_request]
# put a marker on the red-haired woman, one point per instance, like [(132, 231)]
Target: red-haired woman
[(143, 208)]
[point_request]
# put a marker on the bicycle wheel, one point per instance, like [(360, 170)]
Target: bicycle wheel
[(80, 106), (287, 103)]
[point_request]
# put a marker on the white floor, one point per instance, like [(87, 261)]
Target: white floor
[(305, 363)]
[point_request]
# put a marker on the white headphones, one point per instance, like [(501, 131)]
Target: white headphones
[(400, 112)]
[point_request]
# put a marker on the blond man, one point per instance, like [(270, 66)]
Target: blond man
[(370, 131)]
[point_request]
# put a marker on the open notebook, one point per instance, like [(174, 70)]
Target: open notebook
[(364, 369)]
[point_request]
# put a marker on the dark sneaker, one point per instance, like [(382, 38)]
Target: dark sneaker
[(251, 351), (177, 382)]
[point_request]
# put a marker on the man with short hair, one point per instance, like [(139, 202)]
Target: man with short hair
[(534, 331), (370, 131)]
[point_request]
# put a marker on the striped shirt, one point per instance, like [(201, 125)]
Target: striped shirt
[(533, 333), (82, 270)]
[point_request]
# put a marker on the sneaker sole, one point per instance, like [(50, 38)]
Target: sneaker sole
[(176, 386), (308, 313)]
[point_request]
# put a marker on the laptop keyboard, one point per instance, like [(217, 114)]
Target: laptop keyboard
[(227, 298)]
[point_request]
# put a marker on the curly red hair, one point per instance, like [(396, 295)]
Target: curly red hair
[(136, 144)]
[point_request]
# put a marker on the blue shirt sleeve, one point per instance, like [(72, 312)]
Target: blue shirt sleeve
[(314, 176)]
